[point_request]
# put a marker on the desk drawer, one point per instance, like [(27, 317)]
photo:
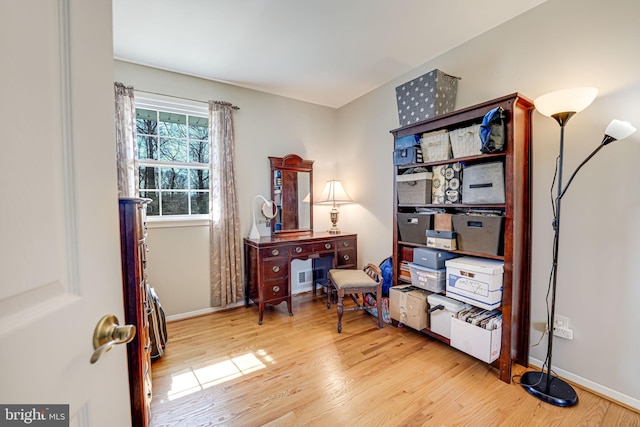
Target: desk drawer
[(346, 243), (275, 268), (311, 248), (346, 257), (275, 290), (273, 252)]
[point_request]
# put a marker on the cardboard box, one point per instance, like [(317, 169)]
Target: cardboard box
[(477, 281), (443, 222), (428, 278), (481, 343), (441, 240), (432, 258), (441, 310), (412, 227), (414, 188), (408, 305), (479, 233)]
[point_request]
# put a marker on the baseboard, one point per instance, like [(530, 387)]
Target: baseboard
[(202, 312), (613, 395)]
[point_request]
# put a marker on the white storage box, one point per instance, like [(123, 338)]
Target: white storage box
[(428, 278), (408, 305), (466, 141), (414, 188), (441, 311), (481, 343), (477, 281)]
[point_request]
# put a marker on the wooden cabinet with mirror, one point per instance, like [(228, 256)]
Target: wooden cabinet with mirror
[(292, 191)]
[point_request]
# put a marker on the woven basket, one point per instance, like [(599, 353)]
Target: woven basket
[(435, 146), (466, 141)]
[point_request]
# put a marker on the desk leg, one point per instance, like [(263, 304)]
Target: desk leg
[(260, 312)]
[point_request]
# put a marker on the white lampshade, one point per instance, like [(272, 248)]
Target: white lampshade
[(618, 129), (333, 193), (565, 101)]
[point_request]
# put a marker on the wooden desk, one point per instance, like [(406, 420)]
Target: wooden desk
[(267, 264)]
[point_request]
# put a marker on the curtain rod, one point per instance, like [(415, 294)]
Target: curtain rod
[(235, 107)]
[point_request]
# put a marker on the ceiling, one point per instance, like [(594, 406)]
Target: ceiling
[(327, 52)]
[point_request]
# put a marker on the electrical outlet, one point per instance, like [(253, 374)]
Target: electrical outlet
[(560, 322), (565, 333)]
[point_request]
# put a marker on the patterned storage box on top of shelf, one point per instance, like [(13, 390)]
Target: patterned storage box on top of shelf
[(426, 96)]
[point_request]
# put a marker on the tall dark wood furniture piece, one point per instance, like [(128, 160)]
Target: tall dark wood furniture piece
[(516, 241), (134, 277), (267, 263)]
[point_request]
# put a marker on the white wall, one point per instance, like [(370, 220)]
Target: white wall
[(560, 44)]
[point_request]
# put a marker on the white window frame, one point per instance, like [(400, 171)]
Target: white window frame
[(178, 106)]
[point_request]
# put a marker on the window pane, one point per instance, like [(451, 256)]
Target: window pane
[(146, 121), (148, 178), (198, 128), (147, 147), (199, 151), (153, 208), (199, 179), (173, 150), (200, 203), (174, 125), (174, 203), (174, 178)]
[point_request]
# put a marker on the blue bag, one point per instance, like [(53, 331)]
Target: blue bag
[(492, 131)]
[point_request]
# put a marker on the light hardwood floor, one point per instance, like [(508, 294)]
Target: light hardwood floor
[(225, 369)]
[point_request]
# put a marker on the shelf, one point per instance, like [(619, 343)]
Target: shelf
[(476, 254), (453, 206), (481, 157), (516, 234)]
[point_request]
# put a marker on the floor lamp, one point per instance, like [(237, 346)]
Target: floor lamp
[(562, 105)]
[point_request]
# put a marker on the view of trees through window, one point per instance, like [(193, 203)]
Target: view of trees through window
[(173, 153)]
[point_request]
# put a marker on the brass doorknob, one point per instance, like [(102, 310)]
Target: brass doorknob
[(109, 333)]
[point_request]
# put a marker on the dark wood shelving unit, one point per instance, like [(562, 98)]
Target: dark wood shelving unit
[(517, 211)]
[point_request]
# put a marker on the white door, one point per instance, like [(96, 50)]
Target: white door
[(59, 236)]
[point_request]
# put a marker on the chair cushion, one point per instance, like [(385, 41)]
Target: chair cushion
[(351, 279)]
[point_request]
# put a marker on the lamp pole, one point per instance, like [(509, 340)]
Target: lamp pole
[(543, 384)]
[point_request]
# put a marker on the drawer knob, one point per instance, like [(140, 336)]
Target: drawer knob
[(276, 289), (345, 244), (275, 268), (298, 249), (327, 245), (275, 252), (346, 257)]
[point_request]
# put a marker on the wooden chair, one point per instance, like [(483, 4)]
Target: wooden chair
[(355, 283)]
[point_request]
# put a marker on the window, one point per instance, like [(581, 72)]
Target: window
[(173, 154)]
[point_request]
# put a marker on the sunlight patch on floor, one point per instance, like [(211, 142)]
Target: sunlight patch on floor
[(202, 377)]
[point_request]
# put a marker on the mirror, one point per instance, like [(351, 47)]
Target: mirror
[(292, 190)]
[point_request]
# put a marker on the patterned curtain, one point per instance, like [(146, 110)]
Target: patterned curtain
[(225, 240), (126, 146)]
